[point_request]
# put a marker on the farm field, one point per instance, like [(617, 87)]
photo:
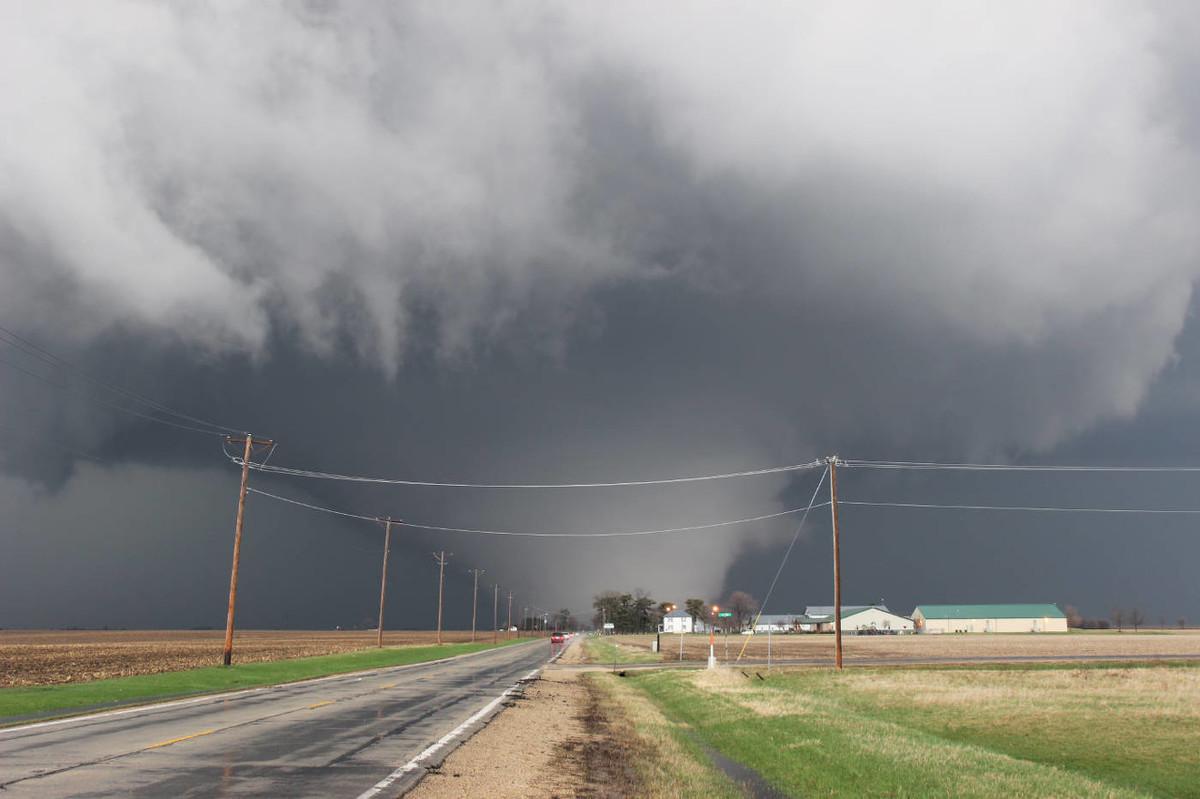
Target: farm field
[(52, 657), (971, 731), (1149, 644)]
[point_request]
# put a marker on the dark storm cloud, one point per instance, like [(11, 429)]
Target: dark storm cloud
[(524, 244)]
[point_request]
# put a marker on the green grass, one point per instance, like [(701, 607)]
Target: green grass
[(972, 732), (56, 699), (600, 650)]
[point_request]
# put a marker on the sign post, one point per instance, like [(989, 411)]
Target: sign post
[(712, 629)]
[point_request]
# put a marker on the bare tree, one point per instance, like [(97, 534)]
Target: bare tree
[(743, 607), (695, 609), (1074, 617), (1137, 618), (1118, 617), (1182, 622)]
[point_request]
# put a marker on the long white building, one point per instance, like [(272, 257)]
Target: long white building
[(1035, 618), (875, 619)]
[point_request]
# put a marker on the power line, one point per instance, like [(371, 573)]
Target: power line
[(1032, 508), (783, 562), (29, 349), (112, 405), (1003, 467), (438, 528), (293, 472)]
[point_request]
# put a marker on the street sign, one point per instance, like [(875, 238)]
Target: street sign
[(725, 614), (609, 626)]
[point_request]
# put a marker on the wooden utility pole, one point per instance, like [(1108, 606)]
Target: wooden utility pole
[(508, 627), (237, 536), (837, 563), (440, 557), (387, 545), (495, 610), (475, 601)]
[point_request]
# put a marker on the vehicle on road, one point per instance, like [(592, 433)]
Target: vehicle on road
[(557, 638)]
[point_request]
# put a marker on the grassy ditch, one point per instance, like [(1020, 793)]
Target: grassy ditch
[(598, 649), (970, 732), (642, 752), (56, 699)]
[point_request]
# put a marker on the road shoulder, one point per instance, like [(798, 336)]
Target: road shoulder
[(524, 751)]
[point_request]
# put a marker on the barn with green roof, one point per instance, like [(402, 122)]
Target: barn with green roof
[(1022, 618)]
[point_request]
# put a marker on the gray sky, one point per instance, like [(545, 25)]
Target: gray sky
[(552, 243)]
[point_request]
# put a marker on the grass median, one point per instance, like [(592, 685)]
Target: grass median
[(974, 732), (16, 703), (598, 649)]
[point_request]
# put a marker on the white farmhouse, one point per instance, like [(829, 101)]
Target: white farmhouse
[(1037, 618), (677, 621)]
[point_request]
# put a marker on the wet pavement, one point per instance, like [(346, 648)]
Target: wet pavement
[(336, 736)]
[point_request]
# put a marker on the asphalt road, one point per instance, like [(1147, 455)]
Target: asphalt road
[(340, 736)]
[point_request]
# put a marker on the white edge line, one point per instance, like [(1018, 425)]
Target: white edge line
[(235, 694), (433, 749)]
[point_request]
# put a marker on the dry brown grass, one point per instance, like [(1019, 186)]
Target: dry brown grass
[(1153, 692), (895, 647), (48, 657)]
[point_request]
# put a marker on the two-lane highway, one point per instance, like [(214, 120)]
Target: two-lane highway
[(339, 736)]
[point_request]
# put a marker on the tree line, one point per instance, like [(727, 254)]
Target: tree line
[(638, 612), (1119, 618)]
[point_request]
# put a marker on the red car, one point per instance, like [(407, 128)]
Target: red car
[(557, 638)]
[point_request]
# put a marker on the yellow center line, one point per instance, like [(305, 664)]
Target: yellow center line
[(320, 704), (161, 744)]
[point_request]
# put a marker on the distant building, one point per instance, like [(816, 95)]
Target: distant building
[(1035, 618), (820, 617), (876, 620), (778, 622), (677, 621)]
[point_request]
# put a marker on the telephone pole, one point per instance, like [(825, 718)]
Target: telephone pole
[(387, 545), (508, 627), (837, 562), (440, 557), (495, 610), (475, 601), (250, 441)]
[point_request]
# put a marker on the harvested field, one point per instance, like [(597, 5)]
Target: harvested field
[(52, 657), (888, 647)]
